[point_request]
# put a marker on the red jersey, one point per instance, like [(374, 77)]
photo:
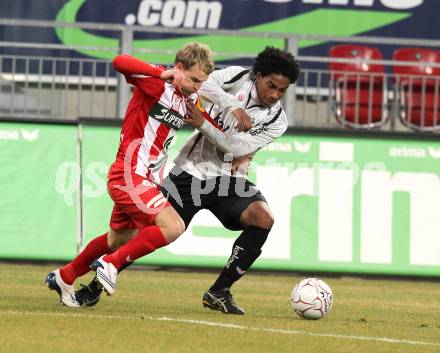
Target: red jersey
[(153, 116)]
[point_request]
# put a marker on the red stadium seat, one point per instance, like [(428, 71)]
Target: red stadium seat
[(358, 87), (418, 88)]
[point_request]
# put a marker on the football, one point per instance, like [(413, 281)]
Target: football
[(312, 299)]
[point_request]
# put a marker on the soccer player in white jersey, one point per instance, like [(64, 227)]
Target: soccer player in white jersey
[(142, 219), (203, 178), (239, 206)]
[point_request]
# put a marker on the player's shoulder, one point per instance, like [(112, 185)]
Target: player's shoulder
[(277, 115), (234, 69), (161, 67), (233, 74)]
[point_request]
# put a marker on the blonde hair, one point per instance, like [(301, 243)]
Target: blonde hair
[(195, 54)]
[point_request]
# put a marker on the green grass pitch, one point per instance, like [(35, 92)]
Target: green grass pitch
[(161, 312)]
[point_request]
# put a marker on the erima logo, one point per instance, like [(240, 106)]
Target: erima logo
[(16, 135), (434, 152), (407, 152), (30, 135), (278, 147), (9, 135), (302, 147)]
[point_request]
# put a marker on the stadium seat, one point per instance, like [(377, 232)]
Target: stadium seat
[(358, 87), (418, 88)]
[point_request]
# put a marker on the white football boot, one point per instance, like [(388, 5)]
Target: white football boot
[(106, 274), (65, 291)]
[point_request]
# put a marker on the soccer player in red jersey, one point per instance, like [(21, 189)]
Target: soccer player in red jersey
[(156, 111)]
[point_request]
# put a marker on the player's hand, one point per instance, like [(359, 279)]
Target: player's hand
[(241, 165), (194, 116), (173, 76), (244, 122)]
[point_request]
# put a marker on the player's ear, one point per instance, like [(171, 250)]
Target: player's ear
[(178, 65), (258, 76)]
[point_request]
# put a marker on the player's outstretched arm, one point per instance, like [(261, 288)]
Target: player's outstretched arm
[(129, 65)]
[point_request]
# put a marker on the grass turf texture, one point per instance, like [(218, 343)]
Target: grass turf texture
[(157, 311)]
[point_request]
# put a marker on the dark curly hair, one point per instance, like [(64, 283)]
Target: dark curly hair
[(276, 61)]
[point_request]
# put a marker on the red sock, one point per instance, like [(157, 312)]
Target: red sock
[(144, 242), (80, 265)]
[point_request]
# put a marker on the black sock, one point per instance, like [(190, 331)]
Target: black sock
[(246, 249)]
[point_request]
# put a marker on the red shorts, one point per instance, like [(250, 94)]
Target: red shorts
[(137, 200)]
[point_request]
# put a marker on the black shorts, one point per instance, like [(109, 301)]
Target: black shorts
[(226, 197)]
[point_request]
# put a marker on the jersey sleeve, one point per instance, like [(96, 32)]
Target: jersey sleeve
[(140, 74), (248, 142), (215, 88)]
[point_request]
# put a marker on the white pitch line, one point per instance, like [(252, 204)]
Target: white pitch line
[(296, 332), (230, 326)]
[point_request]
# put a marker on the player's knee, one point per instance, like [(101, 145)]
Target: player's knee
[(117, 238), (170, 223), (173, 229), (264, 219), (258, 214)]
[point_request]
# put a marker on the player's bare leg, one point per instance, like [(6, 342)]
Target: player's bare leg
[(118, 237)]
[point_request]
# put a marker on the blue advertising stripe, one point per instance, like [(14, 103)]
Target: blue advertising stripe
[(340, 22)]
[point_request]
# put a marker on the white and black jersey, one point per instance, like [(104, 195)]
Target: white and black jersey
[(206, 153)]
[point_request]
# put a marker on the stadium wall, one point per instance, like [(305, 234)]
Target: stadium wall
[(343, 201)]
